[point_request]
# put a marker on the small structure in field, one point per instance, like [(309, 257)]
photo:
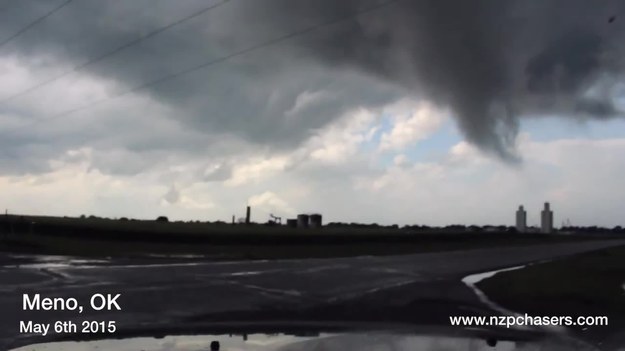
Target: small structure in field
[(302, 220), (315, 221), (546, 219), (521, 220)]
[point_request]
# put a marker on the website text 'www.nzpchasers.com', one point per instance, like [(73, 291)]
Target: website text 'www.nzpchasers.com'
[(528, 321)]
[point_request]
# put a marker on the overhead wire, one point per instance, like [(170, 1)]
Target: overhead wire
[(114, 51), (34, 23), (213, 62)]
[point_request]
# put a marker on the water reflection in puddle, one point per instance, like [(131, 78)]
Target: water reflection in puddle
[(326, 342), (472, 280), (51, 261)]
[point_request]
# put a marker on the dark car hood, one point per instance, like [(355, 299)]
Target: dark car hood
[(304, 336)]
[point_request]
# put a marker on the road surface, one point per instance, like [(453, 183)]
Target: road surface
[(155, 295)]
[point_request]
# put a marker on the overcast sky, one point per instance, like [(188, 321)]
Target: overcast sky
[(408, 112)]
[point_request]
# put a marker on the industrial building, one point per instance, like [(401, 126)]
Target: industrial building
[(302, 220), (521, 220), (546, 219), (315, 221)]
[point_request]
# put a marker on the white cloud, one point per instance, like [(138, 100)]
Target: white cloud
[(270, 203), (277, 126), (581, 178), (411, 127), (73, 91), (342, 139), (177, 198), (464, 153), (306, 99), (172, 196), (192, 204), (255, 169), (126, 173), (401, 160)]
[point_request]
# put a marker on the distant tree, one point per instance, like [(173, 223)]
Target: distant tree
[(83, 216), (123, 219), (162, 219)]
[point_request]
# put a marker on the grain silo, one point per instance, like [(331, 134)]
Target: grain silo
[(315, 220), (302, 220)]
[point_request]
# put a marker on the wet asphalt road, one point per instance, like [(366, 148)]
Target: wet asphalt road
[(157, 294)]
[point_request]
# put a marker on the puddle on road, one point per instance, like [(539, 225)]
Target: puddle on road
[(176, 256), (51, 262), (238, 274), (310, 342), (476, 278), (60, 262), (473, 279)]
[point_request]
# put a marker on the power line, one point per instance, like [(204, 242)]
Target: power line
[(34, 23), (114, 51), (264, 44)]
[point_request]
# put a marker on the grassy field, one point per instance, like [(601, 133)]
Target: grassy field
[(107, 237), (588, 284), (59, 245)]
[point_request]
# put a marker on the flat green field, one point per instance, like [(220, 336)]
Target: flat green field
[(590, 284), (107, 237)]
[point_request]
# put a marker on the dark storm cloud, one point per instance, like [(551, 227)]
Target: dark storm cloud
[(490, 61), (565, 63), (247, 97)]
